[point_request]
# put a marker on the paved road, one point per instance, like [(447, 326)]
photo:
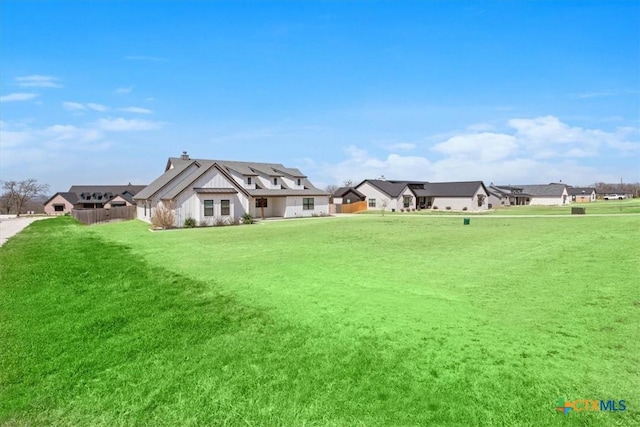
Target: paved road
[(12, 226)]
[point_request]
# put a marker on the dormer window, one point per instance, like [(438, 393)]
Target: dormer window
[(275, 181), (249, 180), (299, 181)]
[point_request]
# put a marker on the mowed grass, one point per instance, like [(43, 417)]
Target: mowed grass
[(358, 321), (599, 207)]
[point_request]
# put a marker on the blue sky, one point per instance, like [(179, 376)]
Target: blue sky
[(510, 92)]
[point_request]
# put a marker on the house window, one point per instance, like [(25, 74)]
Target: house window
[(480, 199), (58, 208), (275, 181), (299, 181), (307, 203), (372, 203), (225, 207), (407, 201), (249, 180), (261, 203), (208, 208)]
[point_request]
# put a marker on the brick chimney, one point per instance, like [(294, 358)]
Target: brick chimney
[(184, 156)]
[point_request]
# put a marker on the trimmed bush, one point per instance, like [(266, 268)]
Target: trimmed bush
[(189, 223), (247, 218)]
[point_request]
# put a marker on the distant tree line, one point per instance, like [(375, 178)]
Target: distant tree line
[(18, 197), (609, 188)]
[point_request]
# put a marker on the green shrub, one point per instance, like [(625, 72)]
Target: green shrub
[(247, 218), (189, 223)]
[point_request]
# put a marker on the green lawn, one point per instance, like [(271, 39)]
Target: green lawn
[(629, 206), (366, 320)]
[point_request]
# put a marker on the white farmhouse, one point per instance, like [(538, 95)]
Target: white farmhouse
[(209, 189)]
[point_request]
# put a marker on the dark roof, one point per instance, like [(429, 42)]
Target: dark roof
[(450, 189), (542, 190), (340, 192), (507, 190), (428, 189), (576, 191), (391, 188), (69, 197), (98, 193), (113, 189)]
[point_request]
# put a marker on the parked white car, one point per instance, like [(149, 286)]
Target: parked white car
[(615, 197)]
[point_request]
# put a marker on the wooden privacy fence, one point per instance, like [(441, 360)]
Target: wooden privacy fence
[(95, 216), (354, 207)]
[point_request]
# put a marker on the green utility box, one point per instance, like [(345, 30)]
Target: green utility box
[(467, 221)]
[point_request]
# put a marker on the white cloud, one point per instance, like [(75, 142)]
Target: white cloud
[(136, 110), (37, 80), (481, 146), (481, 127), (18, 97), (57, 133), (74, 106), (77, 106), (11, 137), (120, 124), (124, 90), (97, 107), (529, 150), (401, 146)]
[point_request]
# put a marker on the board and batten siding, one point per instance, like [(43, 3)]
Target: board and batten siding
[(190, 204), (295, 207)]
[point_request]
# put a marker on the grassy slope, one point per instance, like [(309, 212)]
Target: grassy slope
[(366, 320)]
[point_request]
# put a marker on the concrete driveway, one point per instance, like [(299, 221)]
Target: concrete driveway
[(10, 225)]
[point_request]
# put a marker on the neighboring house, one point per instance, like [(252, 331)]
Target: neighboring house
[(91, 197), (387, 195), (582, 194), (507, 195), (397, 195), (347, 195), (465, 195), (541, 194), (208, 189)]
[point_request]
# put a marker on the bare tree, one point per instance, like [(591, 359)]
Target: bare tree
[(384, 203), (20, 192), (348, 183), (331, 189), (6, 203)]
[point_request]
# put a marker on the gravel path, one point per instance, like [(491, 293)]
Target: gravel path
[(12, 226)]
